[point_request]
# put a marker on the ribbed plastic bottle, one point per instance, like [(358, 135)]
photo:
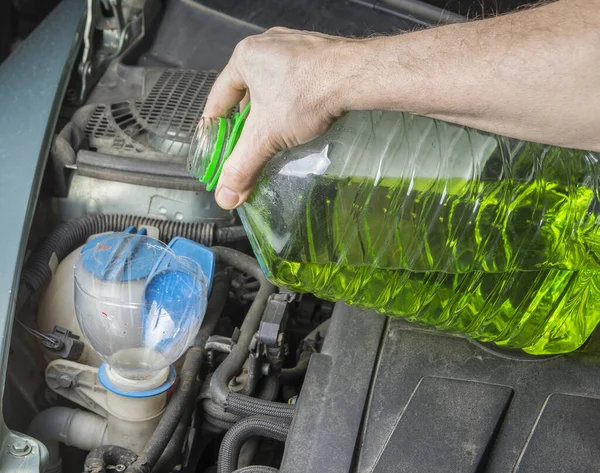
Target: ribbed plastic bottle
[(444, 225)]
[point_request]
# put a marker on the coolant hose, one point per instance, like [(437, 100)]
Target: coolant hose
[(255, 426), (171, 456), (232, 365), (73, 427), (249, 406), (188, 384), (257, 469), (220, 421), (290, 375), (67, 236)]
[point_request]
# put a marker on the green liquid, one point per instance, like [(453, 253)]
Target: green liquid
[(513, 262)]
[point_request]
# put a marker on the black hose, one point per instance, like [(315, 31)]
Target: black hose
[(69, 235), (249, 406), (257, 469), (232, 365), (217, 417), (219, 421), (290, 375), (270, 388), (256, 426), (188, 385), (269, 391), (309, 344), (174, 449), (219, 384), (184, 393), (108, 455)]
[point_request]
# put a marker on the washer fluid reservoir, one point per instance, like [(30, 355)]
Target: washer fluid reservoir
[(140, 302)]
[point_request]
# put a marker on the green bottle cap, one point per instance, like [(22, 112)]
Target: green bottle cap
[(219, 156)]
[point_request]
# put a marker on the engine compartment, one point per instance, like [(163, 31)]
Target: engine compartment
[(282, 380)]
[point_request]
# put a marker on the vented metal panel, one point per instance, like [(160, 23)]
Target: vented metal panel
[(162, 123)]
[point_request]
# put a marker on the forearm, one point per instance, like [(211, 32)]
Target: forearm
[(533, 75)]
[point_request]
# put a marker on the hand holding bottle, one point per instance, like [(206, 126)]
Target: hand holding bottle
[(287, 76), (532, 75)]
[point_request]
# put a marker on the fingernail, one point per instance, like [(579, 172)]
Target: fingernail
[(227, 198)]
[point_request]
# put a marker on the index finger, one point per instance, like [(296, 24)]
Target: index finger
[(228, 90)]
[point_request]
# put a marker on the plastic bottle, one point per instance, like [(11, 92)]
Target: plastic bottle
[(447, 226)]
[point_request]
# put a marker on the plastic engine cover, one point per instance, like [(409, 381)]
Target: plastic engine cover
[(386, 396)]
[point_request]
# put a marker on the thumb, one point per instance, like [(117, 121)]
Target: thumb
[(242, 168)]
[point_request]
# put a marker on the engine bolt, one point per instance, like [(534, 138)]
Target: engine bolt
[(20, 448), (65, 381)]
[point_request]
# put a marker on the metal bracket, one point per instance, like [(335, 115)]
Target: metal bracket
[(21, 453), (118, 31), (79, 383)]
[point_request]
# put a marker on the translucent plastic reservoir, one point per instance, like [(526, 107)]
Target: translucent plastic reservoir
[(138, 304)]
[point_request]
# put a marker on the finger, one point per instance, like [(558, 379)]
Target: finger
[(245, 101), (243, 167), (227, 91)]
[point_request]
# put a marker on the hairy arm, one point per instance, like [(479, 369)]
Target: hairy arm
[(534, 75)]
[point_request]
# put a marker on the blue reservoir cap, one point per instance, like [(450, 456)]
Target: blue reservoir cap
[(120, 256)]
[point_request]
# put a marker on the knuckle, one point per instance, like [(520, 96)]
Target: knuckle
[(244, 47), (237, 173), (277, 29)]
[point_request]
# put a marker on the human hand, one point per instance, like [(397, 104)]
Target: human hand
[(294, 81)]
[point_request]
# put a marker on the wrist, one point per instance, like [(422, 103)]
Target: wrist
[(346, 75), (366, 77)]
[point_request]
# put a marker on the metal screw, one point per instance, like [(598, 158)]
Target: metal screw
[(178, 216), (20, 448), (65, 381), (120, 467)]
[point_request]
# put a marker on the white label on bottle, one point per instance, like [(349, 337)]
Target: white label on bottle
[(316, 163)]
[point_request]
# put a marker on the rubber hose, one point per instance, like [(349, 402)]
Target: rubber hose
[(69, 235), (220, 421), (290, 375), (232, 365), (187, 386), (233, 440), (249, 406), (270, 388), (257, 469), (173, 452), (213, 410), (108, 455), (216, 425), (269, 392)]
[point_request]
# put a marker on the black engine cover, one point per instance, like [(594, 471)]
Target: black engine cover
[(387, 396)]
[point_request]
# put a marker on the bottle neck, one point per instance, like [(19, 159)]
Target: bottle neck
[(212, 143), (207, 149)]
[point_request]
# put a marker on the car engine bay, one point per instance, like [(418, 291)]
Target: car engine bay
[(274, 381)]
